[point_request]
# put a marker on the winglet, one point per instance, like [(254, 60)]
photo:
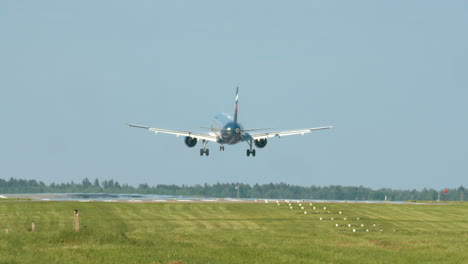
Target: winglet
[(236, 106)]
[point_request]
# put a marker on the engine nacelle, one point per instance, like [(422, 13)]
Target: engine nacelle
[(190, 142), (260, 143)]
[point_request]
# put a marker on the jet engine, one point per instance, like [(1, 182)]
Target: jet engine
[(190, 142), (260, 143)]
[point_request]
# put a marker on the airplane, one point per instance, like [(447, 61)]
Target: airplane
[(225, 130)]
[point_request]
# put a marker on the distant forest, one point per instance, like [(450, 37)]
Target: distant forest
[(229, 190)]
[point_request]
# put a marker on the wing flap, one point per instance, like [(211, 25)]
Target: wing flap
[(287, 132), (208, 137)]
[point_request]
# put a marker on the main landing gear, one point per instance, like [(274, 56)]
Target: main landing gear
[(221, 148), (204, 150), (250, 151)]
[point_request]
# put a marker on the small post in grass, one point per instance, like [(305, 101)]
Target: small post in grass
[(33, 226), (76, 220)]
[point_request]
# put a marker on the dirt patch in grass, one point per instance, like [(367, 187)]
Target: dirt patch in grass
[(213, 245), (421, 242), (181, 239), (345, 244), (342, 244), (385, 244)]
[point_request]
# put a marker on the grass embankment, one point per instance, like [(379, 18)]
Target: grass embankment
[(232, 233)]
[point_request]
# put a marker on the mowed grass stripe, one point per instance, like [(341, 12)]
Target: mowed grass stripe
[(232, 233), (408, 216)]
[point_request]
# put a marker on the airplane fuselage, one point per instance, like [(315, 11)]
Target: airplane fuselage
[(226, 130), (231, 134)]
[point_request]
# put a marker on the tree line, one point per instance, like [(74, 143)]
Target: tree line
[(231, 190)]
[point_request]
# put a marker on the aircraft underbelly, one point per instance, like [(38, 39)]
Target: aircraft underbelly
[(229, 139)]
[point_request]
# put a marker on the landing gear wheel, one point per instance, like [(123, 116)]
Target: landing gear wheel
[(204, 150), (251, 150)]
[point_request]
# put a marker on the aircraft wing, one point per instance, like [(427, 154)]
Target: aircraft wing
[(286, 133), (208, 137)]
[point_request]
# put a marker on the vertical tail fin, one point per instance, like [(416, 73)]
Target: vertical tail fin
[(236, 106)]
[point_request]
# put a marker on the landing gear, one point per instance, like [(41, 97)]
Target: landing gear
[(221, 148), (251, 150), (204, 150)]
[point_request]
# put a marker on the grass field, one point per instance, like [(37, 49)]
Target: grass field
[(233, 233)]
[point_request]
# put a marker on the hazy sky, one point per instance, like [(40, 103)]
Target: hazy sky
[(391, 76)]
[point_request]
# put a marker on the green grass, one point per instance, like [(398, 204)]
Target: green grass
[(232, 233)]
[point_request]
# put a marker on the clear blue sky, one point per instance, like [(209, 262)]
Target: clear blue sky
[(392, 77)]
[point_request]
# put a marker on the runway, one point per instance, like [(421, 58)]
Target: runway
[(152, 198)]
